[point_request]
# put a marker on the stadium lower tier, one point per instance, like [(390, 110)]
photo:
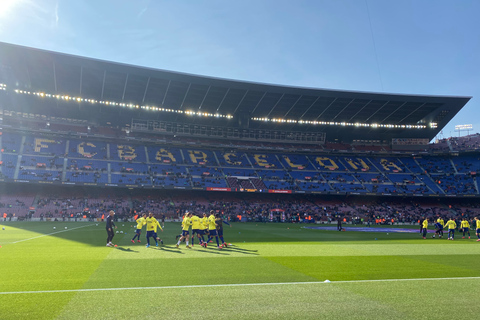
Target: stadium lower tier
[(35, 202), (61, 161)]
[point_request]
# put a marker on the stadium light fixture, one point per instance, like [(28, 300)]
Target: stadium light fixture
[(342, 124), (114, 103), (432, 125)]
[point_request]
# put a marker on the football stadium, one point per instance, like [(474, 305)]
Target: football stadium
[(331, 203)]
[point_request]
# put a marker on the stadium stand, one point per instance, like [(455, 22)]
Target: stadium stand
[(171, 142), (42, 159)]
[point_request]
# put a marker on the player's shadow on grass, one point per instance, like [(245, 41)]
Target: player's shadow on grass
[(126, 249), (242, 251), (168, 249), (213, 251)]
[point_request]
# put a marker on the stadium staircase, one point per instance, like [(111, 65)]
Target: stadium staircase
[(65, 161), (435, 190), (147, 156), (109, 170), (64, 173), (216, 158), (17, 167), (454, 166)]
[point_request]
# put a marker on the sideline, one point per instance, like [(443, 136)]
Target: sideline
[(238, 285)]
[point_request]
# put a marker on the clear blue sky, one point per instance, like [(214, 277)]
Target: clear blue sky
[(401, 46)]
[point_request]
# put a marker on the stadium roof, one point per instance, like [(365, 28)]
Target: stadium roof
[(37, 70)]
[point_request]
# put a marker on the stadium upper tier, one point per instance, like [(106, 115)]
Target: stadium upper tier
[(60, 85), (54, 159)]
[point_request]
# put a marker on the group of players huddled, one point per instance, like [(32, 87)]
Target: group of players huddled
[(451, 226), (211, 226), (152, 225)]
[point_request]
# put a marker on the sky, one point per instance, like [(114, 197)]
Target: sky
[(429, 47)]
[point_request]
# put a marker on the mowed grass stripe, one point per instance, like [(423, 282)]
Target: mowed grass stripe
[(58, 260), (363, 248), (48, 263), (279, 302), (346, 300), (36, 306), (194, 271), (383, 267)]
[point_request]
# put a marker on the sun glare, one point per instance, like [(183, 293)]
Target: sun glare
[(6, 6)]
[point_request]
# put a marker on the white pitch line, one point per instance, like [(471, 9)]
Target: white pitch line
[(46, 235), (236, 285)]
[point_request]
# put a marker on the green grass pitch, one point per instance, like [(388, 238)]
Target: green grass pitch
[(272, 271)]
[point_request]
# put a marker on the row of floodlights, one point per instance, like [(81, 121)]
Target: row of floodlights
[(206, 114), (119, 104), (348, 124), (432, 125)]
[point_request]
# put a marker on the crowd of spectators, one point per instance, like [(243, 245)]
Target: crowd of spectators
[(245, 207), (465, 143)]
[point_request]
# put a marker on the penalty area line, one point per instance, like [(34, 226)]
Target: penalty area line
[(46, 235), (237, 285)]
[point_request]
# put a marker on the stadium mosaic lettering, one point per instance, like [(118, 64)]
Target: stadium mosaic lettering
[(58, 160)]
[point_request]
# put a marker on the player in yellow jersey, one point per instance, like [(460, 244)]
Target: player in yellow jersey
[(181, 228), (440, 220), (196, 225), (212, 228), (424, 228), (140, 223), (186, 223), (451, 225), (465, 226), (152, 225), (438, 229), (478, 228), (203, 229)]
